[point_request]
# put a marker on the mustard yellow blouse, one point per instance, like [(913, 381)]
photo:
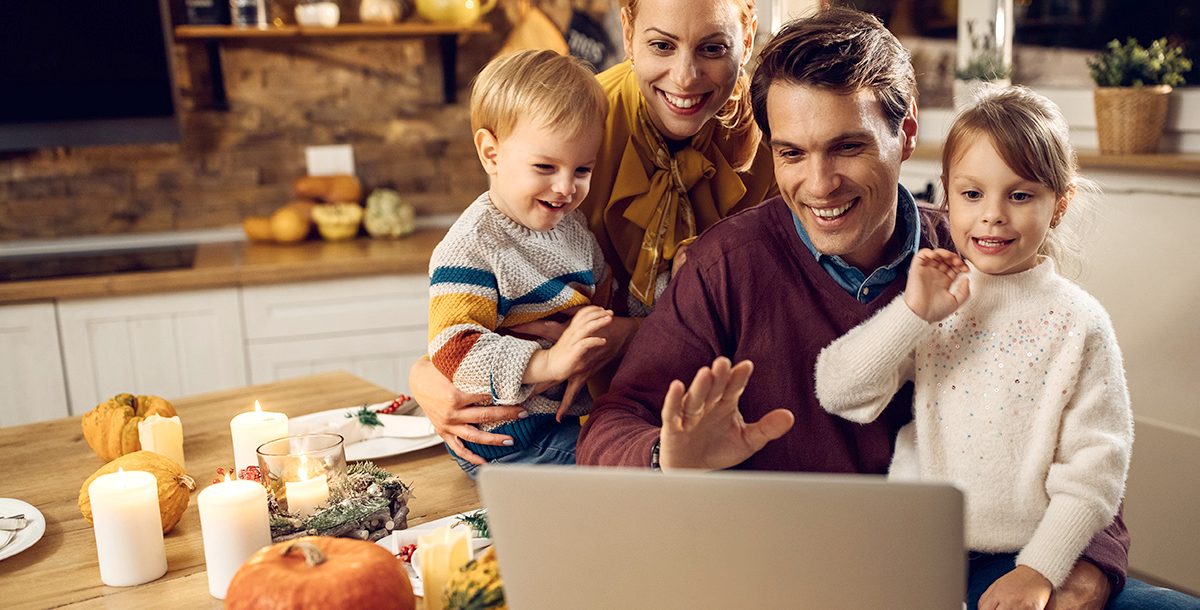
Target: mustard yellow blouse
[(645, 201)]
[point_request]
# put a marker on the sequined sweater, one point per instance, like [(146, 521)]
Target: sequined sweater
[(1019, 400), (491, 273)]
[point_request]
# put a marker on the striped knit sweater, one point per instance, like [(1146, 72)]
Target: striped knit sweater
[(490, 273)]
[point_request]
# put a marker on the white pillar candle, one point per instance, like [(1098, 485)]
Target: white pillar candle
[(305, 495), (128, 525), (234, 524), (164, 436), (440, 554), (251, 429)]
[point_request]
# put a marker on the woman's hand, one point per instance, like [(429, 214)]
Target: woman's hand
[(1021, 589), (452, 414), (932, 292)]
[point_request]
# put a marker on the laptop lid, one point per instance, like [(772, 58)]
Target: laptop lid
[(617, 538)]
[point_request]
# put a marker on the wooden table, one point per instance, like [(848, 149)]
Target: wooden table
[(44, 464)]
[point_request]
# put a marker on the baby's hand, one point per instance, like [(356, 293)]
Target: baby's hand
[(1021, 589), (569, 355), (931, 292)]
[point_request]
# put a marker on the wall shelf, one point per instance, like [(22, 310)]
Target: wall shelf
[(212, 35)]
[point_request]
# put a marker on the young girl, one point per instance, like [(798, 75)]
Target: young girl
[(1020, 395)]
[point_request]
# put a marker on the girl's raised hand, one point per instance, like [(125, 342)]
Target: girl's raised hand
[(932, 292)]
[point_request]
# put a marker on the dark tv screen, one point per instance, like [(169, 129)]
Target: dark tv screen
[(85, 72)]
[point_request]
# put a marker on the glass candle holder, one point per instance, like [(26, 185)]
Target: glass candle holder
[(304, 472)]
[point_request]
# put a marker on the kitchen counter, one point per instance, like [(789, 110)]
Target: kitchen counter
[(1182, 164), (246, 263)]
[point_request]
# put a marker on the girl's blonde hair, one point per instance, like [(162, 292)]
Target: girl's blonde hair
[(1034, 140), (559, 91), (737, 115)]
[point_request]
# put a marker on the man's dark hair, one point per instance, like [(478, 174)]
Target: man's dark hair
[(840, 49)]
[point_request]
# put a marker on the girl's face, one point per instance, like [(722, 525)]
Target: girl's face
[(686, 55), (998, 220)]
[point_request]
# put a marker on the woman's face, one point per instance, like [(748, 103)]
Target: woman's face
[(686, 55)]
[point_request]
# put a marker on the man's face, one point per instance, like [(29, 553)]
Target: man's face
[(838, 163)]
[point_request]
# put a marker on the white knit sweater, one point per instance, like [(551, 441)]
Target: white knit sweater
[(1019, 400)]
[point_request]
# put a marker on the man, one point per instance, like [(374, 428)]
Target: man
[(768, 288)]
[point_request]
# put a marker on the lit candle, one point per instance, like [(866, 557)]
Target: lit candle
[(162, 435), (305, 495), (442, 552), (251, 429), (234, 524), (128, 525)]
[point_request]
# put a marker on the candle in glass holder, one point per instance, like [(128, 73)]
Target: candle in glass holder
[(310, 492), (253, 428), (162, 435), (128, 527), (441, 553), (234, 524)]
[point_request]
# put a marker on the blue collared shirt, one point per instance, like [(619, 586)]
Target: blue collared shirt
[(865, 287)]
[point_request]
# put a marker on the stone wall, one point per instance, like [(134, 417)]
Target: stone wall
[(382, 96)]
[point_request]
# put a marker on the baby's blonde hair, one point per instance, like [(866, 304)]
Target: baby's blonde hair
[(554, 90), (1034, 140)]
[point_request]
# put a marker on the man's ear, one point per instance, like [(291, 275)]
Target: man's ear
[(908, 127), (488, 148)]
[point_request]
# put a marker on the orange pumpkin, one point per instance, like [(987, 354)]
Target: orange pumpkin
[(321, 572), (111, 429)]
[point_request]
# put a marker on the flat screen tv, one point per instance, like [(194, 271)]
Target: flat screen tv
[(85, 72)]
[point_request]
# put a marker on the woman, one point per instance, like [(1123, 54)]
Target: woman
[(681, 151)]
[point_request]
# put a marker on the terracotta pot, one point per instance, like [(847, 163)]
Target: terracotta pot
[(1130, 120)]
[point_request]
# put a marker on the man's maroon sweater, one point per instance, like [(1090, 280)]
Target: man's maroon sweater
[(751, 290)]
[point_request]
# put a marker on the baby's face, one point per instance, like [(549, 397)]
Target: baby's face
[(539, 175)]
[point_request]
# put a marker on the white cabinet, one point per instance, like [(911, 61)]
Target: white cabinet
[(31, 374), (374, 327), (168, 344)]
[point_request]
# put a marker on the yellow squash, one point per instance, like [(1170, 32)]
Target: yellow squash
[(174, 486), (111, 429)]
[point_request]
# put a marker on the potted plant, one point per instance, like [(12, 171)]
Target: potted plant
[(987, 63), (1132, 86)]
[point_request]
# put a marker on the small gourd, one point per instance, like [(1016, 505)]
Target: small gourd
[(387, 215), (174, 485), (111, 428), (477, 586)]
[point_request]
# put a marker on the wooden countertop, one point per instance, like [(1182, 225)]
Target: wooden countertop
[(1183, 164), (243, 264), (45, 464)]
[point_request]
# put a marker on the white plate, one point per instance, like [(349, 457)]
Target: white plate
[(26, 536), (405, 537), (372, 448)]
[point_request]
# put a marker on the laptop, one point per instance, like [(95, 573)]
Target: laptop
[(578, 538)]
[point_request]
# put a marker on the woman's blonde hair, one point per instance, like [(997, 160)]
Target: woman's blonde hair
[(737, 115), (558, 90), (1034, 140)]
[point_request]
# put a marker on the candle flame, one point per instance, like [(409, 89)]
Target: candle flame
[(120, 470), (257, 407), (226, 477), (303, 468)]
